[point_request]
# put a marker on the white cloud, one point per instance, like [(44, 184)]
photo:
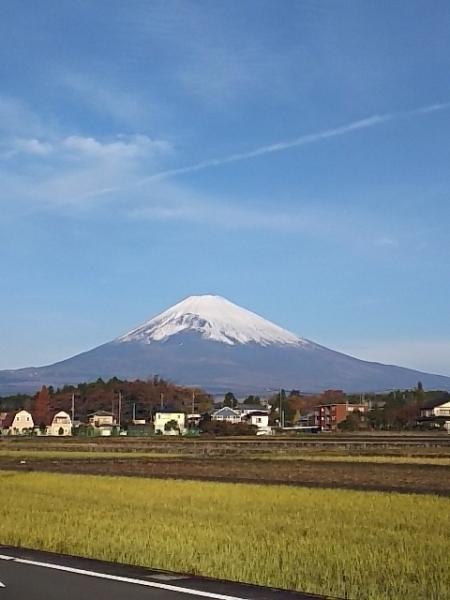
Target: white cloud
[(122, 147), (300, 141), (32, 146), (73, 172), (17, 119)]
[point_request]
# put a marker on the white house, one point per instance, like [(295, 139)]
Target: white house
[(436, 412), (17, 423), (165, 419), (103, 422), (260, 419), (58, 423)]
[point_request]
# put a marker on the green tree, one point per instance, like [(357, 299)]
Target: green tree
[(351, 423), (171, 426), (375, 418), (230, 400)]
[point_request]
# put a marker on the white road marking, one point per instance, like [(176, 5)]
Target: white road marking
[(2, 584), (153, 584)]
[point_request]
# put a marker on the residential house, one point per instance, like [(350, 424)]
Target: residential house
[(260, 419), (226, 414), (328, 416), (57, 423), (436, 413), (102, 422), (165, 419), (17, 423)]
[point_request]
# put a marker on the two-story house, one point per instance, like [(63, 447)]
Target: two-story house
[(102, 422), (56, 423), (436, 412), (17, 423)]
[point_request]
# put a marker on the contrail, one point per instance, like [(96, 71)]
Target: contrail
[(301, 141)]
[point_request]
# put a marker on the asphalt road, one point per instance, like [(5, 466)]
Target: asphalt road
[(32, 575)]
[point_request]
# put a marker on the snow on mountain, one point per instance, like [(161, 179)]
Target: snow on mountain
[(216, 319)]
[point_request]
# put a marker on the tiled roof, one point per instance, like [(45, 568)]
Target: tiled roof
[(256, 413), (252, 407), (8, 420), (225, 411), (435, 403)]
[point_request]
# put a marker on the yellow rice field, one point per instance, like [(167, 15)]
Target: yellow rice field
[(363, 545)]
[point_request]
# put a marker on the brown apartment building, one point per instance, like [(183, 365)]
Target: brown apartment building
[(328, 416)]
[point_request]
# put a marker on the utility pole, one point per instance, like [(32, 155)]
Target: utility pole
[(120, 407), (193, 402), (134, 412), (281, 412), (162, 400), (72, 412)]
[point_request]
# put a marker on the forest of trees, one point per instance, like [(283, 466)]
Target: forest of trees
[(140, 398)]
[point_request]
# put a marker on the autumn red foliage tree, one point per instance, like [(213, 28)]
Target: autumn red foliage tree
[(42, 403)]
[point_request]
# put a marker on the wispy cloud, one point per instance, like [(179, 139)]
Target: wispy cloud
[(72, 173), (312, 138)]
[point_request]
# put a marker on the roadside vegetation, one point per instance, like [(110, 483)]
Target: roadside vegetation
[(361, 545)]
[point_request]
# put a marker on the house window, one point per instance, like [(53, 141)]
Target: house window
[(258, 419)]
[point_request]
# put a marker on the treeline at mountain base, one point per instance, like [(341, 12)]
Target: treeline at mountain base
[(138, 400)]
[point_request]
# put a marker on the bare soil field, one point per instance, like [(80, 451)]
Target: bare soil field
[(405, 478)]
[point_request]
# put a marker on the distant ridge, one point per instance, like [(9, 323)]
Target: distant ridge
[(208, 341)]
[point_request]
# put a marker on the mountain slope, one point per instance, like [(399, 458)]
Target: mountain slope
[(216, 319), (212, 343)]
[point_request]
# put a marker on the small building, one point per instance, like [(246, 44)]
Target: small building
[(2, 418), (169, 421), (226, 414), (18, 422), (260, 419)]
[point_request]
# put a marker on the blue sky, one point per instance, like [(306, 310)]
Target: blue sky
[(291, 156)]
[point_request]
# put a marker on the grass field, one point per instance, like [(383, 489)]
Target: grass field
[(45, 454), (363, 545)]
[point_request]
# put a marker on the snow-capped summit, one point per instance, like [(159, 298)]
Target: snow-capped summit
[(216, 319)]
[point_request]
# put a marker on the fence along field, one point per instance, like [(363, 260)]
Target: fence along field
[(361, 545)]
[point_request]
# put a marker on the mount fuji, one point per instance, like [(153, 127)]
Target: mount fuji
[(209, 342)]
